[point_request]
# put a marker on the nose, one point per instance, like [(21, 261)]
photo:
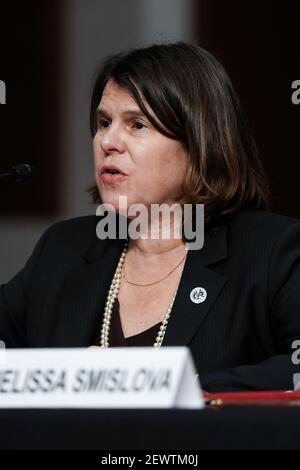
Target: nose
[(111, 140)]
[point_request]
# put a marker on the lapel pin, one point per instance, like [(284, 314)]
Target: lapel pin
[(198, 295)]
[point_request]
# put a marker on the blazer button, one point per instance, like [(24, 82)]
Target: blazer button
[(198, 295)]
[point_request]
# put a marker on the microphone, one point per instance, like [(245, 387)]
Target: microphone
[(21, 173)]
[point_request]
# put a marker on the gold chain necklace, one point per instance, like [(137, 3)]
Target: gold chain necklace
[(124, 275), (111, 297)]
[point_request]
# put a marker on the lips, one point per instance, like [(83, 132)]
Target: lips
[(111, 170), (111, 174)]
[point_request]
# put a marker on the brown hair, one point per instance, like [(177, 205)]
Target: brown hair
[(195, 103)]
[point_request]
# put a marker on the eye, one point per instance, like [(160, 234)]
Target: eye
[(139, 125), (103, 123)]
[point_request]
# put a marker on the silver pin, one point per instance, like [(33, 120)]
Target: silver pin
[(198, 295)]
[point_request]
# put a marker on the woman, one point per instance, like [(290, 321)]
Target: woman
[(167, 129)]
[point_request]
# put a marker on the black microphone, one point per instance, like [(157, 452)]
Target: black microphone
[(21, 173)]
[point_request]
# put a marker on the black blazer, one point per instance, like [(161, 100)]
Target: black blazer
[(241, 336)]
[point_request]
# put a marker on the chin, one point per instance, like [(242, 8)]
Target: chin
[(114, 202)]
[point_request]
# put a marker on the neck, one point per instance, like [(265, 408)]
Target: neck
[(155, 247), (158, 238)]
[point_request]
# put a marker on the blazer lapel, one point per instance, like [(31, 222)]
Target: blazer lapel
[(85, 292), (187, 316)]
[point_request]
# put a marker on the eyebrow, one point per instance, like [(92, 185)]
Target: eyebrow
[(131, 113)]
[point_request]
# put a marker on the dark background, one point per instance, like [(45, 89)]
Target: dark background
[(256, 41), (30, 63)]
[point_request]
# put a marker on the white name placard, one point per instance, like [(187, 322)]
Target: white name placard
[(99, 378)]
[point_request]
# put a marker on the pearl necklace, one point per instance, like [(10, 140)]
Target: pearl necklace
[(111, 297)]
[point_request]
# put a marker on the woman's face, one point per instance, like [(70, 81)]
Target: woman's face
[(152, 165)]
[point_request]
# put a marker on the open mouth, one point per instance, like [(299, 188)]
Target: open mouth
[(110, 175), (111, 170)]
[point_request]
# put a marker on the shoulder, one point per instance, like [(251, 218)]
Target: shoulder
[(265, 220), (258, 236), (72, 236), (77, 227), (261, 225)]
